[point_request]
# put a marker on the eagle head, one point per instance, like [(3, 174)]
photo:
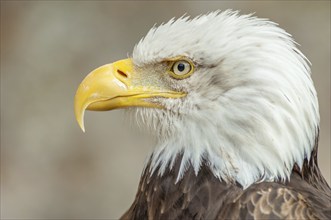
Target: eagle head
[(232, 91)]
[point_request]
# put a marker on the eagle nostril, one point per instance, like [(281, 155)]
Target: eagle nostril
[(123, 74)]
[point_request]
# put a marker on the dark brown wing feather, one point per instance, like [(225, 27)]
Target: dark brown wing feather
[(278, 201), (203, 196)]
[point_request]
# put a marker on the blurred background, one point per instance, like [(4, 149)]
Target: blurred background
[(49, 167)]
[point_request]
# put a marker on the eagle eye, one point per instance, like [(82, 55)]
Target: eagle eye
[(181, 69)]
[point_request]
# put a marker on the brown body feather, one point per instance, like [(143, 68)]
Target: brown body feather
[(203, 196)]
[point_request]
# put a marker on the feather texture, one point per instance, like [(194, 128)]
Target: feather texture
[(243, 143), (251, 108), (203, 196)]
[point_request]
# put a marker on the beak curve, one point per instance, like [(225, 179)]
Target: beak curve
[(110, 86)]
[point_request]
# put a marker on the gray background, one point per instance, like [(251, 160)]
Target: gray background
[(49, 167)]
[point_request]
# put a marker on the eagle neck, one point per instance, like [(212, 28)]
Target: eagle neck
[(158, 195), (311, 173)]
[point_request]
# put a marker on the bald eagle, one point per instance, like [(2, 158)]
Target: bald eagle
[(231, 101)]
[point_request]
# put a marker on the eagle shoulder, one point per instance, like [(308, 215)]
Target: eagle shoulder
[(277, 201), (204, 196)]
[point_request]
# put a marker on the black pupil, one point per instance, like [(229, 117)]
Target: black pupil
[(181, 67)]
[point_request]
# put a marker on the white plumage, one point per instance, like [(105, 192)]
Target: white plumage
[(251, 109), (232, 105)]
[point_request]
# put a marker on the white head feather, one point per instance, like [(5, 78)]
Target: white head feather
[(251, 111)]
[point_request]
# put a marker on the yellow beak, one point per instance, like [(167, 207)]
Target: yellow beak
[(111, 86)]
